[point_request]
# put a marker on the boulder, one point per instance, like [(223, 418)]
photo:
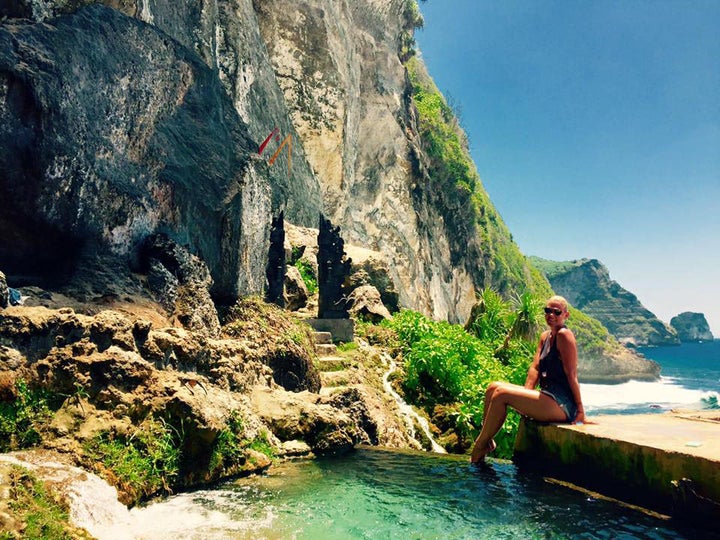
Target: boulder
[(303, 416), (296, 293), (365, 302), (691, 327)]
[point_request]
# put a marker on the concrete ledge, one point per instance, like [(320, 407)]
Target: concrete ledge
[(639, 459)]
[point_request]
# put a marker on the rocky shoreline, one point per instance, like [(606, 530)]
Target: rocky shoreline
[(230, 404)]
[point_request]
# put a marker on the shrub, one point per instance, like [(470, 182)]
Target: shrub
[(308, 277), (446, 365), (145, 462), (23, 419)]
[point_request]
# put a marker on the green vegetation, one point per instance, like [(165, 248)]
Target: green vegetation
[(412, 19), (145, 462), (229, 447), (710, 402), (308, 277), (23, 419), (347, 347), (34, 506), (459, 196), (262, 444), (447, 368)]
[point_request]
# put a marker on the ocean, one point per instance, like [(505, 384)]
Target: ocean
[(689, 379)]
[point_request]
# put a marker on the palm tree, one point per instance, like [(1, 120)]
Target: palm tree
[(526, 320), (488, 318)]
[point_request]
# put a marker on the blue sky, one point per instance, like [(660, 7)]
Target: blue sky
[(595, 127)]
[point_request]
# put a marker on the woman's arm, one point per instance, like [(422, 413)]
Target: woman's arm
[(568, 355), (533, 371)]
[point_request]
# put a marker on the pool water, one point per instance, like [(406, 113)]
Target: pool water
[(378, 494)]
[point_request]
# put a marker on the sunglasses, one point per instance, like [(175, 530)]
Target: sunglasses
[(555, 311)]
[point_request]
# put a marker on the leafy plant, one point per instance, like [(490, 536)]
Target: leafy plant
[(262, 444), (448, 366), (710, 402), (22, 420), (145, 462), (307, 274)]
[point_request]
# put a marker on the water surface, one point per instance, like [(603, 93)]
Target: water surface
[(377, 494)]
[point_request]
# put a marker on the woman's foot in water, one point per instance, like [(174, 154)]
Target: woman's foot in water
[(479, 455)]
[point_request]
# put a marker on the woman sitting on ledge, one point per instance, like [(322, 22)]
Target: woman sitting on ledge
[(554, 367)]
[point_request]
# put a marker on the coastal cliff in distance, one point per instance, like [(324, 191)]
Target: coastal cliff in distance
[(691, 327), (587, 286)]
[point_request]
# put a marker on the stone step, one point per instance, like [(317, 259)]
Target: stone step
[(332, 363), (324, 338), (323, 349)]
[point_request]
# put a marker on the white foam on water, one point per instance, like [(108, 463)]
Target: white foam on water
[(208, 514), (664, 393)]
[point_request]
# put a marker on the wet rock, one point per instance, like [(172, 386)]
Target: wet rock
[(303, 416)]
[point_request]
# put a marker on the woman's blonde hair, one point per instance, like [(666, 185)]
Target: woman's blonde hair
[(560, 300)]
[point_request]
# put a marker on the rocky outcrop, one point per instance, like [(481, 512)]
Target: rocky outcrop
[(339, 64), (587, 286), (114, 373), (691, 327), (365, 304), (102, 144)]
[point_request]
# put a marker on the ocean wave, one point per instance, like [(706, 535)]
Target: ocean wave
[(662, 394)]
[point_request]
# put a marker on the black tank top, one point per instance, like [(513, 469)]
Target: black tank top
[(552, 374)]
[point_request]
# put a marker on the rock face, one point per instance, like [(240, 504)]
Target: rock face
[(587, 286), (691, 327), (102, 144), (169, 128), (339, 65)]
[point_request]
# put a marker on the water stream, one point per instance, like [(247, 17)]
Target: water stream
[(407, 412)]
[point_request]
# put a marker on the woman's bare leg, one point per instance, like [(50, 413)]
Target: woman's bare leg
[(527, 402)]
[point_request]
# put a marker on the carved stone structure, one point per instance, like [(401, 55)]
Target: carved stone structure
[(275, 270), (333, 269)]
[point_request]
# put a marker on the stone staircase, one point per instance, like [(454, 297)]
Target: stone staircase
[(336, 372)]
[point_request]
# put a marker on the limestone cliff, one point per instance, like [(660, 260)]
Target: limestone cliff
[(691, 327), (587, 285), (326, 78), (340, 65)]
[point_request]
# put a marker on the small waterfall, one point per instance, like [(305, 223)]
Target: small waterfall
[(406, 410), (93, 503)]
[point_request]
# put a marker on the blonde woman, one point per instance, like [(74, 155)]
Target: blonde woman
[(554, 367)]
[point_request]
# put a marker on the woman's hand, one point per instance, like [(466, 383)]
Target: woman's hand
[(580, 417)]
